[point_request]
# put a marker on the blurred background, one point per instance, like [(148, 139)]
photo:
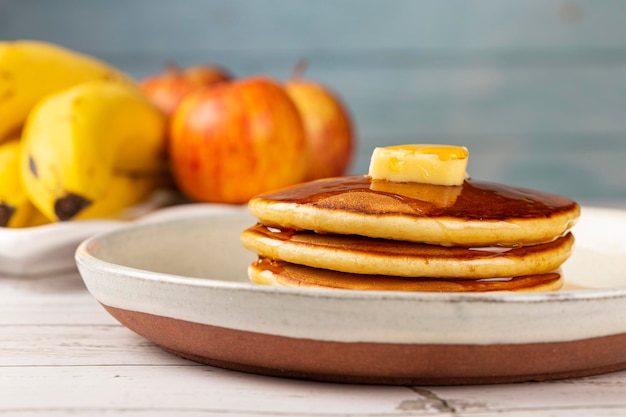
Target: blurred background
[(536, 89)]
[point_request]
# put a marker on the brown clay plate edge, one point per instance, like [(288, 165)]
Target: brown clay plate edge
[(377, 363)]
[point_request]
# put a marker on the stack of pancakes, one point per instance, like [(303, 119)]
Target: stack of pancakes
[(357, 233)]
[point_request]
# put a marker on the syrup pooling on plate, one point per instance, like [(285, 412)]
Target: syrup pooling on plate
[(476, 200)]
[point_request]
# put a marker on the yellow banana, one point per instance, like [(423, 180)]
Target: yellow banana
[(16, 210), (80, 144), (125, 190), (30, 70)]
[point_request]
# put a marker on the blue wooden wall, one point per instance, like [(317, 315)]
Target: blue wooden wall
[(535, 88)]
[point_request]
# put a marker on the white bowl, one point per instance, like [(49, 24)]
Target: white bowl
[(183, 285), (49, 249)]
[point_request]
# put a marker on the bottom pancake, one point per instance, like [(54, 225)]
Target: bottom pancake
[(280, 273)]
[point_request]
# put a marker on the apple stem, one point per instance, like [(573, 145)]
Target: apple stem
[(172, 67), (299, 68)]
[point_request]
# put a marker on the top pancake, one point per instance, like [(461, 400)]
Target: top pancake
[(474, 214)]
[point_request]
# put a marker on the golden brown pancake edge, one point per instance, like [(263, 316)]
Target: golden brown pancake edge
[(483, 214), (280, 273), (358, 254)]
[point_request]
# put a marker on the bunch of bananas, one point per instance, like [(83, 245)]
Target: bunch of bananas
[(78, 139)]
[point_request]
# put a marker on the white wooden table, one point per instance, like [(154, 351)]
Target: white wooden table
[(61, 354)]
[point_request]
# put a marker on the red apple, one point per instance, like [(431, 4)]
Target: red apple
[(166, 90), (233, 141), (328, 126)]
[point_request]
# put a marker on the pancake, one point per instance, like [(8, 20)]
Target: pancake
[(476, 213), (358, 254), (267, 272)]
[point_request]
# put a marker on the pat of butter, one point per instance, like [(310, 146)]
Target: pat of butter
[(428, 164)]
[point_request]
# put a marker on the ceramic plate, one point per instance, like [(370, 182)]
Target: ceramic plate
[(183, 285)]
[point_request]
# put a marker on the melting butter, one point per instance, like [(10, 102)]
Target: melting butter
[(421, 163)]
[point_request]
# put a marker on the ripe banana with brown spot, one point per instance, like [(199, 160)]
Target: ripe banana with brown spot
[(92, 150), (30, 70), (16, 210)]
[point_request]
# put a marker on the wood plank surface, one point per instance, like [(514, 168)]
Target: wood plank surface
[(61, 355)]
